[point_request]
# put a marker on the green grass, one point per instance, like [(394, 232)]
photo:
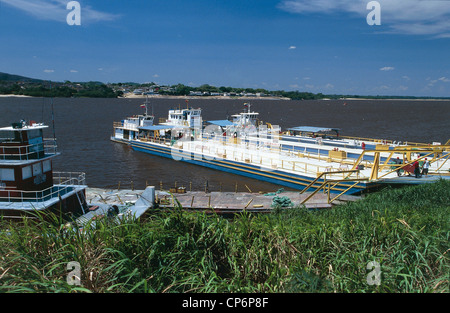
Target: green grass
[(405, 230)]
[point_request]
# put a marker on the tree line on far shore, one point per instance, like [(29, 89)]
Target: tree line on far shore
[(89, 90)]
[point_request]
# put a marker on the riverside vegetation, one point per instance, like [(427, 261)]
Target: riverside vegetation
[(405, 230)]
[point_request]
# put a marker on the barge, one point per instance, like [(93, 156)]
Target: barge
[(306, 162)]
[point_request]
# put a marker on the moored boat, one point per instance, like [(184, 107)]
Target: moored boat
[(28, 184), (246, 147)]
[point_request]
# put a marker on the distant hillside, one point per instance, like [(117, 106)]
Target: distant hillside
[(17, 78), (26, 86)]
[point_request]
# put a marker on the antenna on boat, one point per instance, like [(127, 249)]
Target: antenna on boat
[(53, 113), (146, 102)]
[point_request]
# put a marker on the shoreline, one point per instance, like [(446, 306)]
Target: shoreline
[(15, 96), (132, 96)]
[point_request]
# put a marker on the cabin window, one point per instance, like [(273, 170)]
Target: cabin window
[(6, 136), (26, 172), (7, 174), (37, 169), (46, 166), (34, 133)]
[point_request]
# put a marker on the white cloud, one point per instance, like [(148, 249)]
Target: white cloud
[(73, 71), (292, 47), (156, 75), (56, 10), (387, 68), (432, 82), (49, 71), (413, 17)]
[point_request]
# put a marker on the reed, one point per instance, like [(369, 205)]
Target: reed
[(405, 230)]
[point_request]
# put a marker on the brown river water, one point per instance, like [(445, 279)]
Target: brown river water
[(83, 128)]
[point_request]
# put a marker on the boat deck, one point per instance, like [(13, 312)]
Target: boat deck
[(412, 180), (272, 158), (60, 191)]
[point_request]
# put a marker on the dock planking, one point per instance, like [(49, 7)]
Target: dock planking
[(235, 202)]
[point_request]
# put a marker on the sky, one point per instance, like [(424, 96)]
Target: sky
[(327, 46)]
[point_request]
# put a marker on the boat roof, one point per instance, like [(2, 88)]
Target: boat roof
[(222, 123), (312, 129), (35, 126)]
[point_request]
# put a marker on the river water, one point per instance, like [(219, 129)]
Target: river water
[(83, 128)]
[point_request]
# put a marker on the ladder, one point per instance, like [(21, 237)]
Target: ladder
[(82, 201)]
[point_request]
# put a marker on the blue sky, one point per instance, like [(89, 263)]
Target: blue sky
[(316, 46)]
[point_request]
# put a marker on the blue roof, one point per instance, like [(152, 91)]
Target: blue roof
[(222, 123), (156, 127), (312, 129)]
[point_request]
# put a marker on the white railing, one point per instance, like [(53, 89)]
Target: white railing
[(65, 182), (29, 152)]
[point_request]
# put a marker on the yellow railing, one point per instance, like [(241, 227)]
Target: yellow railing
[(328, 185), (434, 152)]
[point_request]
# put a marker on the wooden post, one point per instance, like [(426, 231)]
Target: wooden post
[(118, 187)]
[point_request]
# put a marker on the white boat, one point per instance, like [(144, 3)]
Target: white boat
[(245, 147), (128, 128)]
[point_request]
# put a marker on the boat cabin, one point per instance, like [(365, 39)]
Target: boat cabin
[(25, 158), (27, 177), (185, 117), (314, 132), (245, 118)]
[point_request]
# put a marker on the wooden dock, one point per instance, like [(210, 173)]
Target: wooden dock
[(216, 201), (232, 202)]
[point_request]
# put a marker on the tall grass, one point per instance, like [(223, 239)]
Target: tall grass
[(405, 230)]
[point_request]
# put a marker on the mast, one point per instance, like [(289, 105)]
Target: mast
[(53, 114), (146, 103)]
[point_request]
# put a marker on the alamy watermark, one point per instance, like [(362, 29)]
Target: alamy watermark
[(74, 276), (374, 16), (74, 16), (374, 276)]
